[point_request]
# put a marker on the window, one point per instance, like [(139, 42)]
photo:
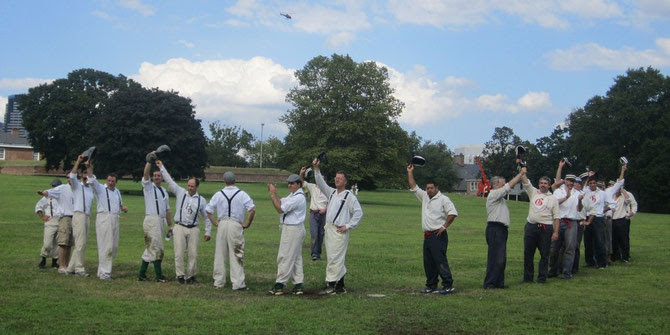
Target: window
[(36, 156), (2, 154)]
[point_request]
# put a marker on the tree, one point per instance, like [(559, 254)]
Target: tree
[(272, 148), (347, 109), (439, 165), (117, 115), (226, 143), (500, 157), (631, 120)]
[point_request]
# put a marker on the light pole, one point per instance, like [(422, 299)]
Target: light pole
[(262, 124)]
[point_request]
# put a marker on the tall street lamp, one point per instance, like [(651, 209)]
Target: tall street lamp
[(262, 124)]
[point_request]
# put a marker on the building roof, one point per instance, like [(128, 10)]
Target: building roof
[(465, 173), (7, 139)]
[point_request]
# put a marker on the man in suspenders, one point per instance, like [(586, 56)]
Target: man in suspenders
[(82, 195), (291, 211), (343, 214), (190, 207), (110, 206), (156, 213), (230, 204), (49, 212), (63, 194)]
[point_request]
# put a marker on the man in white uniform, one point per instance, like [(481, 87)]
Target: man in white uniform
[(437, 214), (156, 213), (230, 204), (621, 225), (65, 240), (49, 212), (82, 195), (110, 206), (317, 216), (190, 207), (344, 213), (291, 211), (496, 230)]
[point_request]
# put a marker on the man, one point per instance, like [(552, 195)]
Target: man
[(49, 212), (581, 214), (291, 211), (496, 230), (110, 206), (230, 204), (437, 214), (609, 232), (156, 213), (317, 216), (65, 240), (541, 228), (568, 203), (82, 195), (344, 213), (621, 225), (190, 207), (595, 203)]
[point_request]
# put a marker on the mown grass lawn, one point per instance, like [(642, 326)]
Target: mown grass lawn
[(384, 258)]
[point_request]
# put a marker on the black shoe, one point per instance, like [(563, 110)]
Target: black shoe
[(161, 280), (328, 290), (181, 280), (340, 290), (297, 290), (567, 276), (143, 278), (191, 280), (242, 289), (43, 263), (54, 262), (277, 289)]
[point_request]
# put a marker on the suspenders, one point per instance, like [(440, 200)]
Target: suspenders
[(341, 204), (51, 207), (230, 200), (158, 211), (109, 207), (284, 216), (197, 209)]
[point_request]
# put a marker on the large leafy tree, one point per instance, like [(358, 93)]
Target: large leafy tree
[(439, 165), (500, 158), (631, 120), (272, 148), (347, 109), (226, 143), (117, 115)]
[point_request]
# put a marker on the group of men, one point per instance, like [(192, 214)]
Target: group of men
[(65, 208), (556, 224)]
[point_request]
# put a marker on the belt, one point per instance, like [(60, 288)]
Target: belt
[(497, 223), (66, 216), (186, 226), (539, 225), (427, 234)]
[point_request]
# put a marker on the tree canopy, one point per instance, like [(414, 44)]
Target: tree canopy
[(225, 144), (118, 116), (347, 109)]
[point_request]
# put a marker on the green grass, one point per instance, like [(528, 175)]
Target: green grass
[(384, 257)]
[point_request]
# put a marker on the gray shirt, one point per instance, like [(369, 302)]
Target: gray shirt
[(496, 208)]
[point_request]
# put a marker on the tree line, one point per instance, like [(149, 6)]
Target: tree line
[(347, 109)]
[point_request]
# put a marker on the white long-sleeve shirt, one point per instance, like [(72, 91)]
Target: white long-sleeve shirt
[(82, 196), (189, 208), (351, 213), (239, 202), (109, 201), (293, 207), (568, 208), (63, 194), (49, 207), (318, 200), (156, 199)]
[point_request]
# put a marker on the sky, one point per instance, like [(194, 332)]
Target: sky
[(462, 67)]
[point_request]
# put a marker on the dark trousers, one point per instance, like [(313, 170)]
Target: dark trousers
[(317, 223), (496, 238), (536, 236), (562, 253), (435, 260), (594, 243), (620, 239)]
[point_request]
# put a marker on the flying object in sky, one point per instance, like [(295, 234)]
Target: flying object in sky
[(287, 16)]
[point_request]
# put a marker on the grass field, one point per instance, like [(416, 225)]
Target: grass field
[(384, 257)]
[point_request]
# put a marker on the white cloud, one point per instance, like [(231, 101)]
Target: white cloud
[(102, 15), (235, 91), (589, 55), (534, 101), (186, 44), (22, 84), (496, 102), (244, 8), (338, 39), (138, 6)]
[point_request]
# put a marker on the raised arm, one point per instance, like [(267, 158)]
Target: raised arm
[(168, 179), (75, 167), (275, 200), (558, 181), (410, 176), (320, 182), (518, 177)]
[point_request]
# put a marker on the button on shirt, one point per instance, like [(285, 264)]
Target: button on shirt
[(49, 207), (568, 208), (241, 202), (109, 201), (190, 208), (351, 213), (156, 199), (63, 194), (496, 208), (435, 210), (543, 207), (81, 195), (318, 200), (293, 207)]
